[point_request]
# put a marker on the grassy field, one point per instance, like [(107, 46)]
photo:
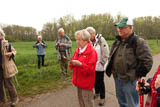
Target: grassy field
[(33, 81)]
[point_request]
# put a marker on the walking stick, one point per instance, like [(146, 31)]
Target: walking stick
[(141, 94)]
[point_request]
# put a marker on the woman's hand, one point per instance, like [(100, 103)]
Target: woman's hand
[(75, 62)]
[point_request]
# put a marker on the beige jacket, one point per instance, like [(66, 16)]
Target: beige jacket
[(9, 67)]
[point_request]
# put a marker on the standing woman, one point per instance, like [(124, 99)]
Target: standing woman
[(83, 64), (7, 71), (40, 45), (102, 49)]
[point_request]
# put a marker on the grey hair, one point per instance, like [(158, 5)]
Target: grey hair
[(60, 30), (91, 29), (84, 34), (2, 33)]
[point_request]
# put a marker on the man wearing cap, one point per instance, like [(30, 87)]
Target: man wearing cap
[(130, 59)]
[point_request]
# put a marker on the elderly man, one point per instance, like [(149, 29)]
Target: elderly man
[(63, 45), (83, 65), (102, 49), (130, 59), (7, 71)]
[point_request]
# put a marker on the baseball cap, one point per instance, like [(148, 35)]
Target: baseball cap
[(125, 21)]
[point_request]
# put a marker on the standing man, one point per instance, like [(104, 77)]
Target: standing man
[(130, 59), (7, 70), (102, 49), (63, 45)]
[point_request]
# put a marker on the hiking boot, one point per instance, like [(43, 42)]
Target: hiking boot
[(101, 102), (95, 96), (14, 103)]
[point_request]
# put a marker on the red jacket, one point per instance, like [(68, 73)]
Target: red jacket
[(84, 75)]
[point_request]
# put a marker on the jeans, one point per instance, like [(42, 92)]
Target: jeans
[(99, 84), (126, 93), (39, 60)]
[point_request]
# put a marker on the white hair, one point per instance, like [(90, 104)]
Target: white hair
[(2, 33), (91, 29), (84, 34), (39, 36), (60, 30)]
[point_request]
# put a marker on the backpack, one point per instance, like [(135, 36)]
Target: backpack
[(9, 50)]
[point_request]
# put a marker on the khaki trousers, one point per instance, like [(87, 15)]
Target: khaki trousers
[(7, 83), (85, 97), (63, 64)]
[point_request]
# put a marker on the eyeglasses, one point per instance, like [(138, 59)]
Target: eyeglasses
[(121, 28)]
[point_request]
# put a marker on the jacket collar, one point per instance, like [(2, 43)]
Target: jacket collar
[(87, 50)]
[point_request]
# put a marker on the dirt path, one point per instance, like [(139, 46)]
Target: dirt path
[(68, 96)]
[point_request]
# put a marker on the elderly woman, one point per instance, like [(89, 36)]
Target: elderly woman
[(40, 45), (102, 49), (83, 64), (7, 71)]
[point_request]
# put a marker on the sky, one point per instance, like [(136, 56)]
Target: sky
[(35, 13)]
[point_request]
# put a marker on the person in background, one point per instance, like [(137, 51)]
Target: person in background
[(40, 45), (130, 59), (83, 64), (63, 46), (7, 71), (102, 49)]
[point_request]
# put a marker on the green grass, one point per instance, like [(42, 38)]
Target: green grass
[(33, 81)]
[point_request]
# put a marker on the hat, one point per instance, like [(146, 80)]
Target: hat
[(125, 21)]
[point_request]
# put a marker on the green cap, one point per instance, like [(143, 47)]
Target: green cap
[(125, 21)]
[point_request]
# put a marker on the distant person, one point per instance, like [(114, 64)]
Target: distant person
[(102, 49), (83, 64), (152, 88), (7, 70), (130, 59), (63, 45), (40, 45)]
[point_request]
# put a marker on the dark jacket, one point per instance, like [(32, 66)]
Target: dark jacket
[(138, 58)]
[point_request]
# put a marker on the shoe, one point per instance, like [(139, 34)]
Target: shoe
[(14, 103), (2, 104), (95, 96), (101, 102)]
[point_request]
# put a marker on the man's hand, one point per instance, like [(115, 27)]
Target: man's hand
[(61, 44), (75, 63), (8, 54)]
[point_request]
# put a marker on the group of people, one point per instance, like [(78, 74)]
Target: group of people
[(128, 61)]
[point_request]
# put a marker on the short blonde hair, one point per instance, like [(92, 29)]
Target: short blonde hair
[(60, 30), (84, 34)]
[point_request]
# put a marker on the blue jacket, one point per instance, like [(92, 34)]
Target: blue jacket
[(40, 48)]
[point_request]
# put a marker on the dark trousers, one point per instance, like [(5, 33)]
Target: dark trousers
[(99, 84), (7, 83), (39, 60)]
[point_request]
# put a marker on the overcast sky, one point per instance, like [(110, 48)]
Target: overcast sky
[(35, 13)]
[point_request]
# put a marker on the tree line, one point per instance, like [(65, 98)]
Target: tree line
[(147, 27)]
